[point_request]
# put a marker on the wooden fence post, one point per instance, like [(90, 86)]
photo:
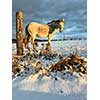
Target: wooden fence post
[(19, 32)]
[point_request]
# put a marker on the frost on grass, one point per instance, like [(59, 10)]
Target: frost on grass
[(59, 71)]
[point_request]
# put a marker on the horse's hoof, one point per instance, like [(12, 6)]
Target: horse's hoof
[(48, 44)]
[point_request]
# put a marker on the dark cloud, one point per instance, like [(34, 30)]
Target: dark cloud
[(73, 11), (47, 8)]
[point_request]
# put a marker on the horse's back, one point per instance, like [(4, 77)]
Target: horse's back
[(41, 30)]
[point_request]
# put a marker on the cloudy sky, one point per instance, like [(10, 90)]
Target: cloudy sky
[(48, 8), (73, 11)]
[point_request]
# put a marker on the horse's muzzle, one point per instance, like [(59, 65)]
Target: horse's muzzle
[(60, 31)]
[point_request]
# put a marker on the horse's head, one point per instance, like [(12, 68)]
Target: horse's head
[(61, 25), (57, 24)]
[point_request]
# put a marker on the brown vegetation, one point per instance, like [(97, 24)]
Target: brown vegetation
[(73, 63)]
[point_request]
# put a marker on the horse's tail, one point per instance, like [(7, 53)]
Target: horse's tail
[(27, 36)]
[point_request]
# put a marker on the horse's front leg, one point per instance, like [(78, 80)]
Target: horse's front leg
[(48, 47), (50, 36)]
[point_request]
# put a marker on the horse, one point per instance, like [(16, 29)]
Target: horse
[(35, 29)]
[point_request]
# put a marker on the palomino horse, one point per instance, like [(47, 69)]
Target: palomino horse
[(36, 29)]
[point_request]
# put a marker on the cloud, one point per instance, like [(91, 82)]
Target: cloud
[(48, 8), (73, 11)]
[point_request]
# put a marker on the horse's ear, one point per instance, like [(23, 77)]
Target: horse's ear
[(63, 19)]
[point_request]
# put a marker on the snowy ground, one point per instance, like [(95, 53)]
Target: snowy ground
[(58, 85)]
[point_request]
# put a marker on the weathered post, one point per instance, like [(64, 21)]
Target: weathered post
[(19, 32)]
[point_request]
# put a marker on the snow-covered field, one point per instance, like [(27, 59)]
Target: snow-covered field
[(30, 85)]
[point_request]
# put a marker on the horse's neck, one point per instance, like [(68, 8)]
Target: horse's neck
[(53, 27)]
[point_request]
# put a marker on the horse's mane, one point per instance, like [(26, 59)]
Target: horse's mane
[(52, 25), (53, 22)]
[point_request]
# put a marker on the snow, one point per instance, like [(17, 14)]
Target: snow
[(31, 95), (56, 86), (48, 87), (64, 47)]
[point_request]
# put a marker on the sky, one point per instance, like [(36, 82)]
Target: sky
[(48, 8), (73, 11)]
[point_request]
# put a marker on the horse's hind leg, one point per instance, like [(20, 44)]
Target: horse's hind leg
[(26, 41), (27, 37), (32, 42)]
